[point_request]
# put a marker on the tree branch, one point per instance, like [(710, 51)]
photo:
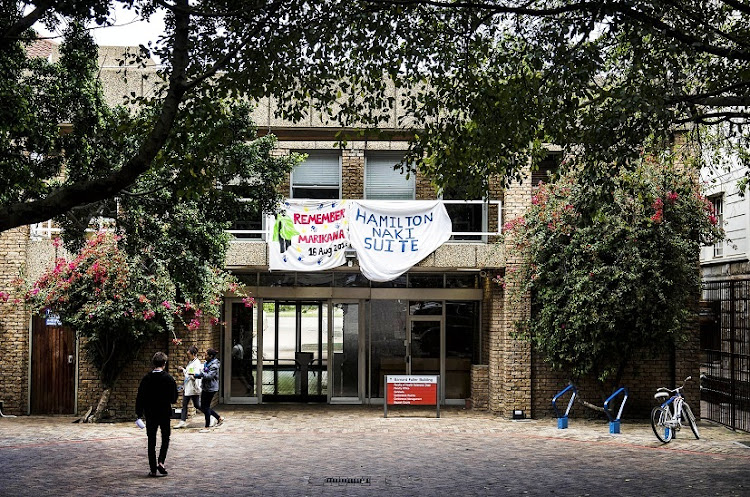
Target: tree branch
[(16, 29), (66, 197)]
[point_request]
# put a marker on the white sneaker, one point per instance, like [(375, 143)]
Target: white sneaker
[(181, 424)]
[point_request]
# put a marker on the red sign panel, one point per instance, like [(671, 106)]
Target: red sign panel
[(411, 390)]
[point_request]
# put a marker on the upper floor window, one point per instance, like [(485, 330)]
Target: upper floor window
[(384, 182), (466, 218), (318, 177), (548, 169), (717, 201)]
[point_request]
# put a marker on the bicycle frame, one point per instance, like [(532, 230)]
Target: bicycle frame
[(674, 407)]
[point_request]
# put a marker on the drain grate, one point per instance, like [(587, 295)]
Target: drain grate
[(348, 481)]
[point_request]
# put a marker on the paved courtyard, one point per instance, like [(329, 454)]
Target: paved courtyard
[(340, 450)]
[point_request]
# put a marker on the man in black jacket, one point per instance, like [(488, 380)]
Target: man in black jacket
[(156, 394)]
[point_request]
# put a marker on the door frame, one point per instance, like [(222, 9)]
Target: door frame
[(361, 352), (434, 319), (75, 361)]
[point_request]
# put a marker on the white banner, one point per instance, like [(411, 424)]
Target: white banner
[(308, 235), (392, 236)]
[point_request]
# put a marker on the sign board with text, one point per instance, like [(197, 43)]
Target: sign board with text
[(412, 390)]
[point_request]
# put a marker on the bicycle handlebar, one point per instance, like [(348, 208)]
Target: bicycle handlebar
[(676, 390)]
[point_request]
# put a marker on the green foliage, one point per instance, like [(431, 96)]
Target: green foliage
[(613, 273)]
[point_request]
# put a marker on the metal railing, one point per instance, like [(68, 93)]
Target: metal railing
[(49, 229), (482, 234)]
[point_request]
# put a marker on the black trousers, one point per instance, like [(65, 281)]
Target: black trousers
[(152, 425), (206, 398)]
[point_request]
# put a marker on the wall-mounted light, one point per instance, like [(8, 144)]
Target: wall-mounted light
[(350, 255), (518, 414)]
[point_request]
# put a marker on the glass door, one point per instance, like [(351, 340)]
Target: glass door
[(345, 347), (243, 353), (295, 351), (424, 347)]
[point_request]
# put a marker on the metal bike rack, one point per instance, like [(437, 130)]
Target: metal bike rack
[(614, 423), (562, 421)]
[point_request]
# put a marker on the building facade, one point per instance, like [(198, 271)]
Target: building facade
[(330, 336)]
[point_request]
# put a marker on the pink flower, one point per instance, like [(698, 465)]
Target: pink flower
[(214, 321), (672, 197), (198, 313), (534, 200), (249, 301), (657, 217), (56, 242), (4, 296), (148, 314), (166, 305), (713, 219), (194, 324)]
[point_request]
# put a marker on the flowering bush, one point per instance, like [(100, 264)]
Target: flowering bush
[(118, 301), (612, 270)]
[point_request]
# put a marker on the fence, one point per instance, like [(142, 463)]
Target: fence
[(725, 353)]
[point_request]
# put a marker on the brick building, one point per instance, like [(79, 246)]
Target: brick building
[(330, 336)]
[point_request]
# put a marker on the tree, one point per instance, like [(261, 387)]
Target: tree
[(488, 82), (612, 273), (164, 260)]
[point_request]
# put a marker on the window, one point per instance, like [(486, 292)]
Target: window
[(385, 183), (548, 169), (318, 177), (717, 201), (465, 218)]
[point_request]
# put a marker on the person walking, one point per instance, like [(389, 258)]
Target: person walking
[(156, 394), (191, 385), (210, 385)]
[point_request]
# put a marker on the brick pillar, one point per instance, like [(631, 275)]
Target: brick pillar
[(353, 173), (14, 325), (510, 359)]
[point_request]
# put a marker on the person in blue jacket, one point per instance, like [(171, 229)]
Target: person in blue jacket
[(210, 385), (156, 394)]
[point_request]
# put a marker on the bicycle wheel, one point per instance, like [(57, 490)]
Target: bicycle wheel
[(688, 415), (659, 417)]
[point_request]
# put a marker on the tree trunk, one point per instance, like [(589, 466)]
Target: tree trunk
[(102, 406)]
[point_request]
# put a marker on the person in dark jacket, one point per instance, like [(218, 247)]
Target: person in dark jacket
[(210, 385), (156, 394)]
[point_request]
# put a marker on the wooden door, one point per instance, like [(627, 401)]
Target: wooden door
[(52, 367)]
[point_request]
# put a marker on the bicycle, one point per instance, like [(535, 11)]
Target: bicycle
[(666, 419)]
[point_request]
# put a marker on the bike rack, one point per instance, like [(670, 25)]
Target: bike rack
[(562, 421), (614, 423)]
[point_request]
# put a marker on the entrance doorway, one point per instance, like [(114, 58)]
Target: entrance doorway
[(295, 351), (53, 366)]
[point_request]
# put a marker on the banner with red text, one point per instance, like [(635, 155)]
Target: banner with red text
[(308, 235)]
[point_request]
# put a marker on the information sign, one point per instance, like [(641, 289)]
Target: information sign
[(412, 390)]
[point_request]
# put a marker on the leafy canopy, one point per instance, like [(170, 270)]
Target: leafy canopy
[(612, 273), (485, 84)]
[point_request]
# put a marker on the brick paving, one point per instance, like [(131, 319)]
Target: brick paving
[(341, 450)]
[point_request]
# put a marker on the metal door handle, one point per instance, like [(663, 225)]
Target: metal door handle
[(71, 359)]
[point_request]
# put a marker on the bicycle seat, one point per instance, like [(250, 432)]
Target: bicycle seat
[(661, 394)]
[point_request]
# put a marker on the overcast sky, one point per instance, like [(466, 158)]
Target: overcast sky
[(128, 30)]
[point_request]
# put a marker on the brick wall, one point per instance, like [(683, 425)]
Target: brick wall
[(122, 398), (353, 174), (480, 386), (641, 379), (14, 325)]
